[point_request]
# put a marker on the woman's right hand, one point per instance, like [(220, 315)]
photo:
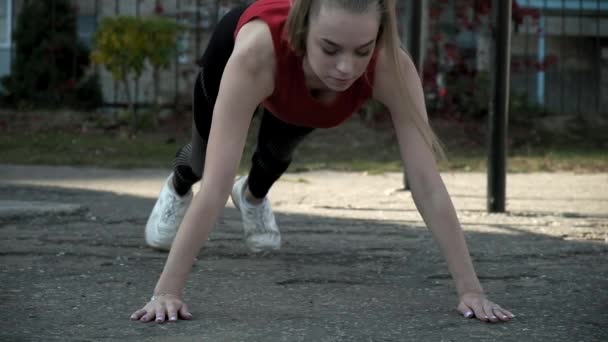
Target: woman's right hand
[(161, 308)]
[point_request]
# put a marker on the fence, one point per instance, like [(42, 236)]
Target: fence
[(197, 16), (559, 51), (559, 55)]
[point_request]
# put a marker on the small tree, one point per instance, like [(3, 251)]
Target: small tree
[(161, 46), (50, 64), (124, 44), (120, 47)]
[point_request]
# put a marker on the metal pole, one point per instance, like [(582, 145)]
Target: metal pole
[(115, 82), (216, 13), (76, 10), (95, 30), (598, 52), (541, 55), (136, 97), (416, 34), (10, 11), (416, 48), (579, 86), (562, 79), (197, 30), (176, 60), (497, 158), (53, 82)]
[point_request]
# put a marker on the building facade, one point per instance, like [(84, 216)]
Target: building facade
[(559, 47)]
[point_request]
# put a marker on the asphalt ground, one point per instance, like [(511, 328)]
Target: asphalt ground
[(357, 262)]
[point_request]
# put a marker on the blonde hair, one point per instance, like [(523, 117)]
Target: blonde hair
[(296, 33)]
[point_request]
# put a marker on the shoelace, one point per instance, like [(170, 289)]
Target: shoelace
[(262, 216), (171, 211), (268, 216)]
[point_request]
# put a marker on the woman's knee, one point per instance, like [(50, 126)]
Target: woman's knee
[(183, 165)]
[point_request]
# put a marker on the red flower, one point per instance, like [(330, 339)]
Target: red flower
[(159, 9), (550, 60), (435, 12), (442, 92), (516, 66), (452, 52), (71, 83), (535, 14)]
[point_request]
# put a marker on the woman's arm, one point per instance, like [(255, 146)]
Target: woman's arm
[(428, 190), (248, 79)]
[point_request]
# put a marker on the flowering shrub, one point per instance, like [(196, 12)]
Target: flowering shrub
[(126, 44), (50, 65), (456, 88)]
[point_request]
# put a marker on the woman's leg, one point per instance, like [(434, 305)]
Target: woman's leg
[(175, 196), (189, 160), (277, 141)]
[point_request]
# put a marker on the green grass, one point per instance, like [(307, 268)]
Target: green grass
[(350, 147)]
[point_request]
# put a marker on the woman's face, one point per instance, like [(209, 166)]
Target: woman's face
[(340, 45)]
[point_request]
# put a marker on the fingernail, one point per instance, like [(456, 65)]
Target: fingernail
[(173, 318), (468, 314)]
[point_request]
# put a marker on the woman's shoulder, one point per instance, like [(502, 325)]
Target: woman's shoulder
[(387, 65), (389, 69), (254, 42)]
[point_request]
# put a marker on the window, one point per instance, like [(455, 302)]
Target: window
[(4, 22), (86, 25)]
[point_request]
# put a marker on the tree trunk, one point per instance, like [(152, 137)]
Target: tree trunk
[(156, 79), (130, 105)]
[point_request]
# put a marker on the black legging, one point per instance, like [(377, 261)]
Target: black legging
[(276, 139)]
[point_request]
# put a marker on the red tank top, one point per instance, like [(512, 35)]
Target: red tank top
[(291, 100)]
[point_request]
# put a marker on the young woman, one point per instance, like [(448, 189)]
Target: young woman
[(311, 64)]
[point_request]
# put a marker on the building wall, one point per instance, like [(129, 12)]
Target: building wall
[(575, 35), (5, 61), (574, 83), (604, 77), (573, 24), (5, 36), (578, 82)]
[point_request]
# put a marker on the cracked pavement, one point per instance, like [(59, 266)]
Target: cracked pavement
[(357, 262)]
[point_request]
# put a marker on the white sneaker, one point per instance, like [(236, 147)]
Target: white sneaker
[(166, 216), (259, 225)]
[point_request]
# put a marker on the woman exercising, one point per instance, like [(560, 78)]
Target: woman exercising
[(310, 64)]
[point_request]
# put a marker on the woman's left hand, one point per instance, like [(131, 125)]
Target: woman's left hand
[(477, 305)]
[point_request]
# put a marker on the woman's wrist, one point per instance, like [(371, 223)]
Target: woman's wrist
[(168, 285), (469, 290), (469, 285), (158, 295), (166, 291)]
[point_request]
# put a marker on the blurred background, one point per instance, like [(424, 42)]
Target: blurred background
[(109, 83)]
